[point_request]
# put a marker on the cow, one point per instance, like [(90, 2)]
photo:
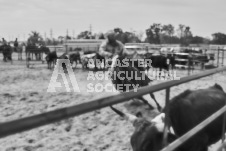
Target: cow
[(127, 73), (98, 60), (172, 61), (88, 52), (200, 59), (161, 61), (186, 110), (74, 57), (85, 59), (51, 57), (32, 49), (63, 56)]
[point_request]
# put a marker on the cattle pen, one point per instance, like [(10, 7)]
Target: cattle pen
[(20, 125)]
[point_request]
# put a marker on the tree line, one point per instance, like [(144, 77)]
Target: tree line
[(167, 34), (156, 34)]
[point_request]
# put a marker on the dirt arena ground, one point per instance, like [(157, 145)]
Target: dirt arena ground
[(23, 92)]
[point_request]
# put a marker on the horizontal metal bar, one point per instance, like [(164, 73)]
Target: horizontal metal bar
[(193, 131), (31, 122)]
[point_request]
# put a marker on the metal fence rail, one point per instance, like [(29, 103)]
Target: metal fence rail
[(27, 123)]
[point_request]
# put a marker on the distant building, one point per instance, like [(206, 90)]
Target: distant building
[(57, 48), (215, 47), (82, 44)]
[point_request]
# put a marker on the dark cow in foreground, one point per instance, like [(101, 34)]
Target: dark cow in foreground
[(186, 110)]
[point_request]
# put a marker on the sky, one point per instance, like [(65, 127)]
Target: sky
[(20, 17)]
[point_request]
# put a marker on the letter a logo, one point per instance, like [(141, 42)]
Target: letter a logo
[(59, 70)]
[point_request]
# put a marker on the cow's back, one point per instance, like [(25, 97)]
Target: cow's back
[(159, 61), (192, 107)]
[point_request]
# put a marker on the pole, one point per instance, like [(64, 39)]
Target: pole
[(222, 57), (66, 41), (218, 53), (223, 129), (189, 63), (165, 136)]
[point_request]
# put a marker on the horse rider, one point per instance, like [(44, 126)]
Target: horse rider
[(4, 41), (16, 49), (23, 47), (111, 47)]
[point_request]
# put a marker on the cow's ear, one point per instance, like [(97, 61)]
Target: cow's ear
[(217, 86), (139, 114)]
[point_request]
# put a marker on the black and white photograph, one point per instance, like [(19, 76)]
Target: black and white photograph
[(122, 75)]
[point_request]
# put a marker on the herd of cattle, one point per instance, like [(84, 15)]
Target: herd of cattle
[(158, 61)]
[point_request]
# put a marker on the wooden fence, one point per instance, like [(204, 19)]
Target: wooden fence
[(27, 123)]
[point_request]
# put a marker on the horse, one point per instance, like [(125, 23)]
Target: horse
[(7, 52)]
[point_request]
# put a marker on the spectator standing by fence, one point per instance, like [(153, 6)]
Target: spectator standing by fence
[(16, 45)]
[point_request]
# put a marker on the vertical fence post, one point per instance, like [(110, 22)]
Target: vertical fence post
[(222, 57), (218, 57), (192, 63), (165, 136), (189, 67), (223, 128), (203, 65)]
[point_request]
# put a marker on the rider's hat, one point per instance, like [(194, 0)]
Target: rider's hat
[(110, 33)]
